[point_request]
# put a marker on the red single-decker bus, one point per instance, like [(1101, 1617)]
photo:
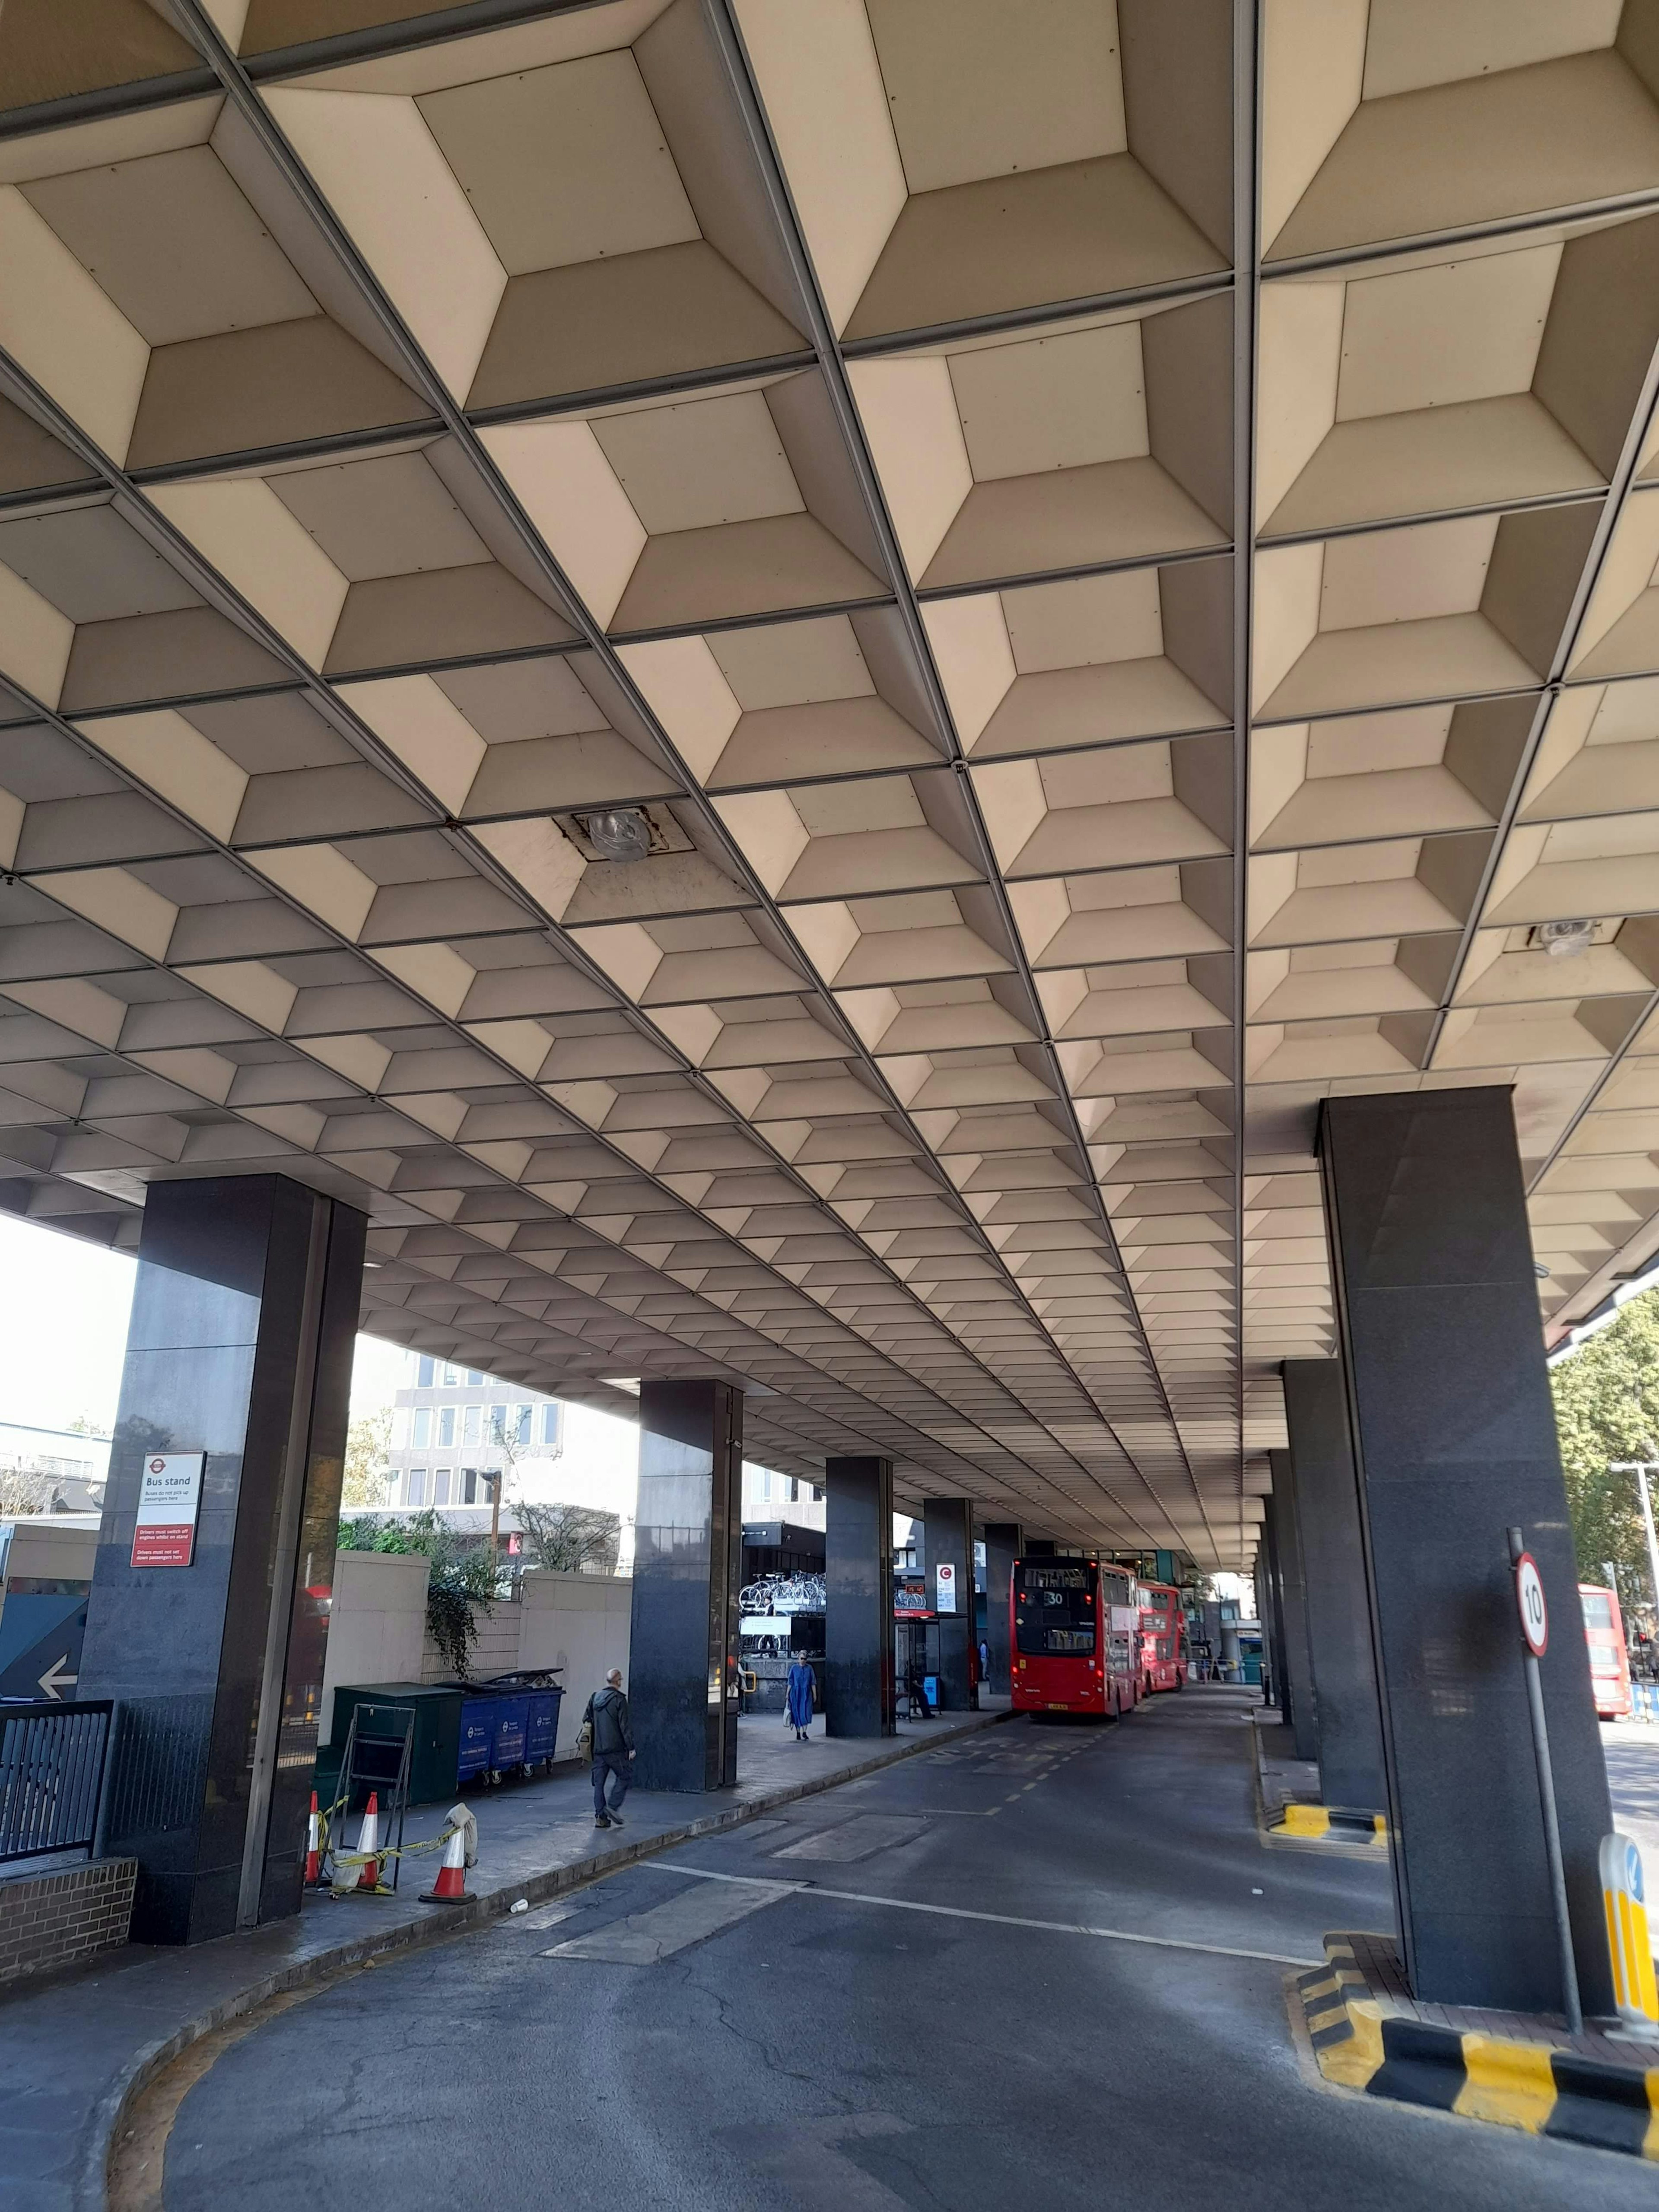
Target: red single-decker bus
[(1073, 1635)]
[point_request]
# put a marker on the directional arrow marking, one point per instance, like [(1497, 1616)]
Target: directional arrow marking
[(55, 1681)]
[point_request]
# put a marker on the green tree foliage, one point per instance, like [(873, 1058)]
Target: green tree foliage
[(368, 1440), (1606, 1408), (462, 1574)]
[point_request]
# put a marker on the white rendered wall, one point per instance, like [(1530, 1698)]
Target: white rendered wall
[(580, 1623), (376, 1623)]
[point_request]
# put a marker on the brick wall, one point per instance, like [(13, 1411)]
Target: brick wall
[(48, 1921)]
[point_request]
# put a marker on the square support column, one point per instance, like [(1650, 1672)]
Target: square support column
[(948, 1524), (1326, 1494), (244, 1319), (1299, 1709), (1454, 1438), (688, 1546), (858, 1693), (1002, 1548)]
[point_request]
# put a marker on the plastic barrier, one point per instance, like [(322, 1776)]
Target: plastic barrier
[(1624, 1898)]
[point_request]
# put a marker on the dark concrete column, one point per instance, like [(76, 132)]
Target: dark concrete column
[(244, 1318), (1327, 1494), (1454, 1439), (1301, 1712), (948, 1524), (688, 1545), (1002, 1548), (859, 1695)]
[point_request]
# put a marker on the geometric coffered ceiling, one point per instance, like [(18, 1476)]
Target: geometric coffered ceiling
[(790, 681)]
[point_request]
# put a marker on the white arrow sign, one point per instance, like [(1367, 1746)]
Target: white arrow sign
[(55, 1681)]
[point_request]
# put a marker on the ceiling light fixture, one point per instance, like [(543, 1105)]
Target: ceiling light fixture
[(1565, 940), (618, 833)]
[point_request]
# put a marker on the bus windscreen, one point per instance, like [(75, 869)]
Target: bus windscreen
[(1055, 1610)]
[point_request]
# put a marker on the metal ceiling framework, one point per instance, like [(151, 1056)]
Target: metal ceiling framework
[(826, 433)]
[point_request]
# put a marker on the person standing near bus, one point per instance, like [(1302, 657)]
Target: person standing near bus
[(803, 1683)]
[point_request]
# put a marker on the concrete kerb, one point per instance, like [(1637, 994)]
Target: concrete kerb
[(437, 1923), (1361, 2041), (1290, 1825)]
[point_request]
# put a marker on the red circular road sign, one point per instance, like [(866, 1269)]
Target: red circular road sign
[(1530, 1604)]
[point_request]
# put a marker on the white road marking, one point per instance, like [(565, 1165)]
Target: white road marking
[(859, 1839), (962, 1912), (645, 1938)]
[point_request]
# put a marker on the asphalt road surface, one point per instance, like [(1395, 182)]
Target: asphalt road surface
[(917, 1991)]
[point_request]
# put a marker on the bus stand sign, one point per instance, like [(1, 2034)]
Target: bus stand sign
[(945, 1586), (169, 1500), (1529, 1603)]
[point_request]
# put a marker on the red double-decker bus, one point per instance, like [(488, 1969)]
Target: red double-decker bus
[(1162, 1639), (1604, 1632), (1075, 1645)]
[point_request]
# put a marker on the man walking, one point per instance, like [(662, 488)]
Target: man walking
[(611, 1730)]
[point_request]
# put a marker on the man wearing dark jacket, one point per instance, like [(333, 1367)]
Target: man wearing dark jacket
[(607, 1716)]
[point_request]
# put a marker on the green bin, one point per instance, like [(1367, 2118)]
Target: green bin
[(435, 1755)]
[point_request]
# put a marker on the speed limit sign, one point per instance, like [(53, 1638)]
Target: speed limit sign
[(1529, 1603)]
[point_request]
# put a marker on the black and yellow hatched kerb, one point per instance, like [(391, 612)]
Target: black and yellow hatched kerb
[(1362, 2042)]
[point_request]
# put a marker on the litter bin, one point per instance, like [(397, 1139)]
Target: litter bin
[(435, 1754)]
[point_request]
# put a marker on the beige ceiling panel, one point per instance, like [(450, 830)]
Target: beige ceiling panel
[(568, 489), (1519, 141), (425, 730), (782, 665), (1313, 74), (910, 417), (977, 89), (1052, 402), (1413, 42), (60, 325), (828, 109), (563, 164), (684, 467), (172, 240), (1430, 337), (35, 639), (1301, 356), (380, 517), (381, 166), (1069, 518), (244, 530), (178, 763), (535, 45)]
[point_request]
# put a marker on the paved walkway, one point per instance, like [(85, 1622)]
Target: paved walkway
[(1040, 1971), (71, 2050)]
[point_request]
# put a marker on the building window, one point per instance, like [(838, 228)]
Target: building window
[(474, 1380), (445, 1425), (817, 1494), (421, 1426), (451, 1376), (415, 1486), (469, 1486), (471, 1420), (550, 1424), (424, 1374), (521, 1426), (441, 1483)]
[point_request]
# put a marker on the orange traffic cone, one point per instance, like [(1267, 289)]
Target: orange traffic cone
[(314, 1847), (450, 1888), (368, 1842)]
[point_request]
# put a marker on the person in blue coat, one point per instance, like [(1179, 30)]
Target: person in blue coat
[(803, 1683)]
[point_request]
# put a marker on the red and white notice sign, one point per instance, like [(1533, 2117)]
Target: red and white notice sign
[(169, 1500)]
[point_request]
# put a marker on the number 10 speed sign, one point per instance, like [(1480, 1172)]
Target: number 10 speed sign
[(1529, 1603)]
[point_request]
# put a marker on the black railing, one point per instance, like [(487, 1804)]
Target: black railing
[(52, 1758)]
